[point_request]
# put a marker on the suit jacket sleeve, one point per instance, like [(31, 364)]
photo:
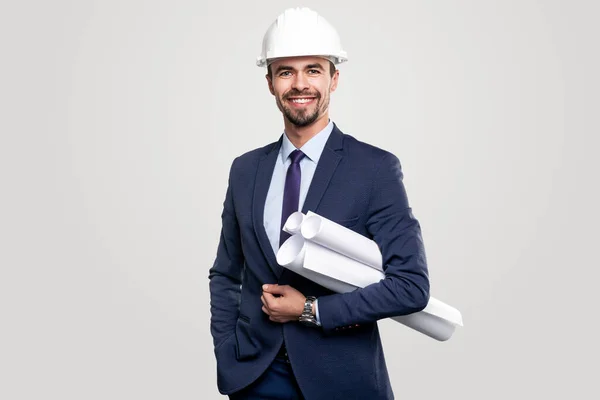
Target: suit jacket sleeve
[(226, 274), (405, 288)]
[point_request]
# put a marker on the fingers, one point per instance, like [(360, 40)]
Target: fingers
[(276, 289), (276, 300), (266, 306), (270, 307), (272, 316), (269, 300)]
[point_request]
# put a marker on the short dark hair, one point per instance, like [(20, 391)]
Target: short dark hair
[(331, 70)]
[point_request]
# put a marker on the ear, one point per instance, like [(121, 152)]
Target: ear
[(334, 81), (270, 83)]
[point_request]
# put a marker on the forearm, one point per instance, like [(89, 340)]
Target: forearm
[(390, 297), (405, 288)]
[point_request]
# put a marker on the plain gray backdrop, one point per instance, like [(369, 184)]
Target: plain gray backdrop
[(120, 120)]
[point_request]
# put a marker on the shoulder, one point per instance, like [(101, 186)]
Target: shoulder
[(367, 153), (250, 159)]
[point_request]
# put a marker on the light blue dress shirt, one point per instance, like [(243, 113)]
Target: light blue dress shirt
[(274, 203)]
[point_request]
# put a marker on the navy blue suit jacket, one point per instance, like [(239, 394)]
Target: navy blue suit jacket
[(359, 186)]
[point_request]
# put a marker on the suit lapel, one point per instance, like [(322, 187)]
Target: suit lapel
[(330, 158), (264, 172)]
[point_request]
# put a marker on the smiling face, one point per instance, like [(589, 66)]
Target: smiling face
[(301, 86)]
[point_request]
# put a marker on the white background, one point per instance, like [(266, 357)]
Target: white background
[(120, 119)]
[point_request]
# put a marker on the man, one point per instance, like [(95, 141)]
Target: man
[(262, 348)]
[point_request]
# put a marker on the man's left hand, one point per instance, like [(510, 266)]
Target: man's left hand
[(288, 306)]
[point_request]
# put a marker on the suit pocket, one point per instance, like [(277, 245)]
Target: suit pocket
[(246, 346), (349, 222)]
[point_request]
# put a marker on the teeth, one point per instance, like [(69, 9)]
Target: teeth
[(301, 101)]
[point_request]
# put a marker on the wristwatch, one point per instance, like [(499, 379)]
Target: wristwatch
[(307, 318)]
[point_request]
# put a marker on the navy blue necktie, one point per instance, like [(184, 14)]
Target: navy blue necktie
[(291, 192)]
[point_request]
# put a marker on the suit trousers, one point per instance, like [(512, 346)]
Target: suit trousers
[(276, 383)]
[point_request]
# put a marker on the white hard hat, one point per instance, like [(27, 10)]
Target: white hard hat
[(301, 32)]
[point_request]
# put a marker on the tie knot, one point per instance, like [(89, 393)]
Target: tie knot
[(296, 156)]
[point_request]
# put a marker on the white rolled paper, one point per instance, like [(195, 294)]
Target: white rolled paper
[(428, 324), (319, 252), (440, 309), (342, 240), (293, 223), (438, 320), (291, 256), (291, 253), (326, 262)]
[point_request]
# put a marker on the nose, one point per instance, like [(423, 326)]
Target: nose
[(300, 82)]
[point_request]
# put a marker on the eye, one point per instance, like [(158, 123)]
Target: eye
[(314, 71), (285, 73)]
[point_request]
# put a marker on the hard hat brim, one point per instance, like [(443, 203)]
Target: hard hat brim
[(336, 60)]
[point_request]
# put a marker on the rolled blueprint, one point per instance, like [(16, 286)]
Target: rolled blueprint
[(324, 261), (428, 324), (342, 240), (440, 309), (438, 320), (293, 223), (291, 256), (330, 263)]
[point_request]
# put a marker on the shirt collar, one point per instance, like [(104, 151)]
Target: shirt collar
[(312, 149)]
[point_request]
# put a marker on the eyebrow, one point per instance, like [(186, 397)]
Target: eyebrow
[(289, 68), (314, 66), (283, 68)]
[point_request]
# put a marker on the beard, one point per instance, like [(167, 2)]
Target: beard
[(302, 117)]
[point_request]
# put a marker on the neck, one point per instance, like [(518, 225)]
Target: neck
[(299, 135)]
